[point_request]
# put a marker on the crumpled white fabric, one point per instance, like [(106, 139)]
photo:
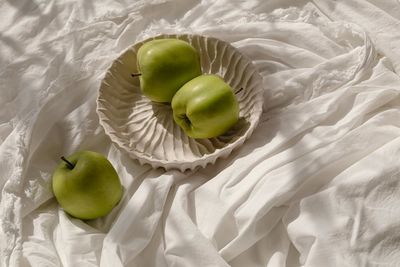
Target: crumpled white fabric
[(317, 184)]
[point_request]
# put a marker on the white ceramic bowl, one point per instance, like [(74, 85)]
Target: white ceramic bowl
[(147, 131)]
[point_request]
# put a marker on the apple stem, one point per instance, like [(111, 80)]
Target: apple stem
[(69, 164), (136, 74), (238, 91)]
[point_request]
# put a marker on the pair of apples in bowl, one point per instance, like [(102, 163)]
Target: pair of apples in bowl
[(180, 101), (203, 105)]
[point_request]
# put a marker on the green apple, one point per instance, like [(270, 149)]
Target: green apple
[(205, 107), (86, 185), (164, 66)]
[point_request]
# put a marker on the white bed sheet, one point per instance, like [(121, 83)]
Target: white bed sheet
[(317, 184)]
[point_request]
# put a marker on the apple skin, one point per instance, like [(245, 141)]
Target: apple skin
[(91, 189), (165, 65), (205, 107)]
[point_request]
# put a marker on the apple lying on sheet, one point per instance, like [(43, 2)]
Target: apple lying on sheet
[(164, 66), (205, 107), (86, 185)]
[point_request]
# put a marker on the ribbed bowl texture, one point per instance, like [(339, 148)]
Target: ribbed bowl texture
[(146, 130)]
